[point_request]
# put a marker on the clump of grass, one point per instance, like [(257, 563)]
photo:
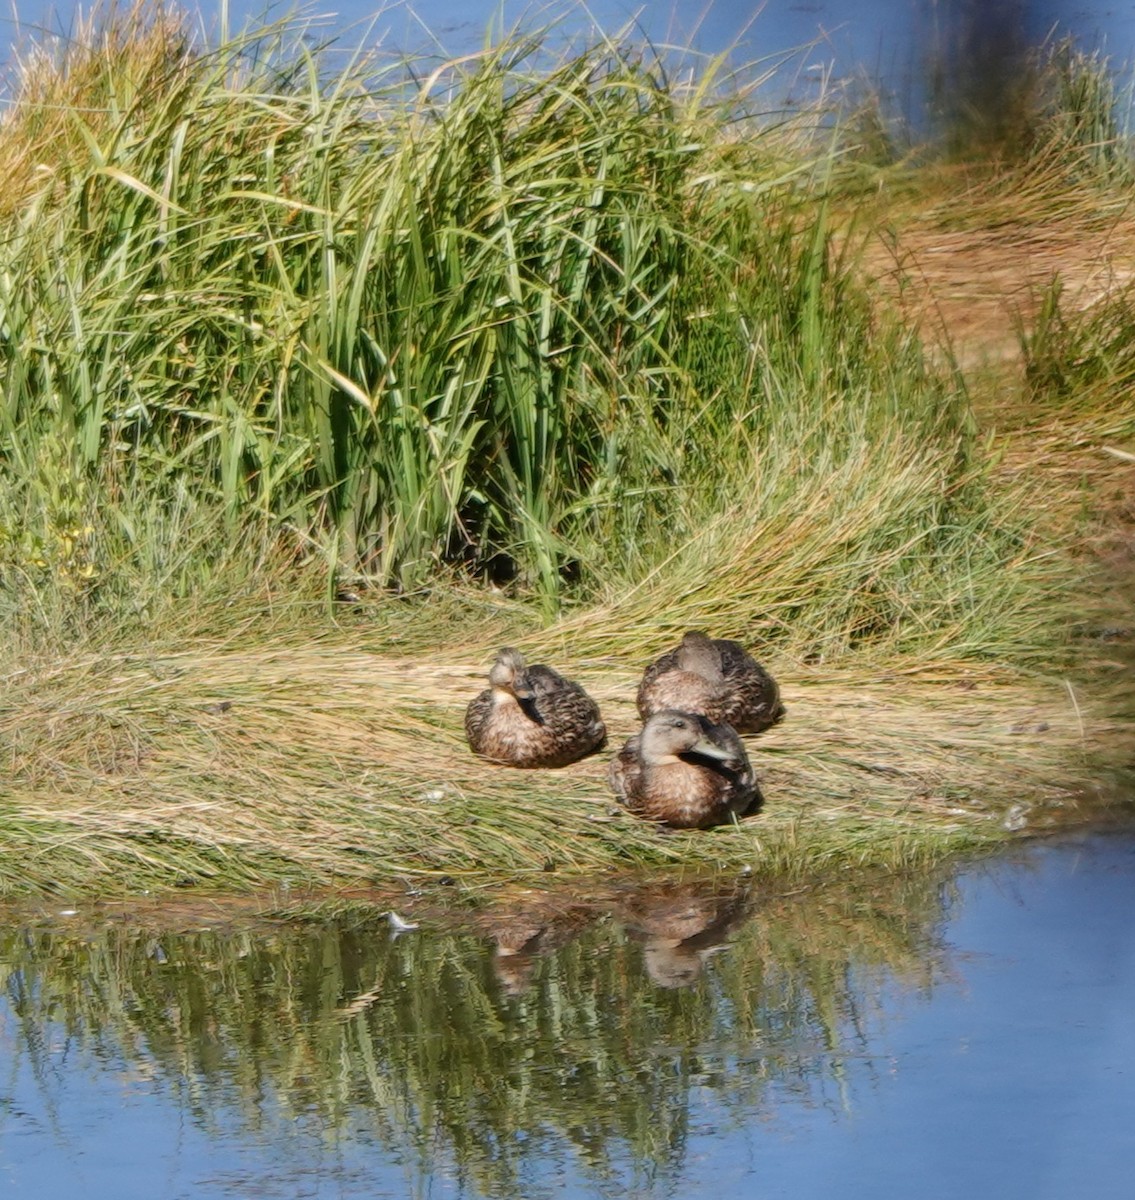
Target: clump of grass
[(1083, 115), (413, 321), (1046, 143), (1053, 107), (533, 319), (1077, 360), (67, 94)]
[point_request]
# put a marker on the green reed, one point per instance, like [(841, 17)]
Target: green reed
[(511, 315)]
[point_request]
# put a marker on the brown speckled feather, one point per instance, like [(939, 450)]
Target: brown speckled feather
[(552, 722), (715, 677), (666, 773)]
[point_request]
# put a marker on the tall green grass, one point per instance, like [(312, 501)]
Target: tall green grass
[(540, 321)]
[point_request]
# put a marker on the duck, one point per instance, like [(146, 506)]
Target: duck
[(715, 677), (684, 771), (531, 716)]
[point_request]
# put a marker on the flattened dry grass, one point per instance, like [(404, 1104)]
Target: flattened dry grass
[(325, 765)]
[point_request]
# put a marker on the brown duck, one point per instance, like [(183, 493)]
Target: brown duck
[(532, 716), (682, 770), (715, 677)]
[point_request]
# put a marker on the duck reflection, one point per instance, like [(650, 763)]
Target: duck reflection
[(682, 925), (529, 928)]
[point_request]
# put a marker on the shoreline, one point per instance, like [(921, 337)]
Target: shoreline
[(331, 767)]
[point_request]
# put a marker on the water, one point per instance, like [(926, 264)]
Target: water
[(927, 67), (966, 1036), (893, 43)]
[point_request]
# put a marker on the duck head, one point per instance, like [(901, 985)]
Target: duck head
[(698, 655), (669, 734), (510, 674)]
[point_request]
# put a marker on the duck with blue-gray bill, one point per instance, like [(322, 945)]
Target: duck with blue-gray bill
[(684, 771), (531, 716)]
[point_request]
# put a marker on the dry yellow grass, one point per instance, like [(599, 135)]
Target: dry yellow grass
[(970, 260), (327, 765)]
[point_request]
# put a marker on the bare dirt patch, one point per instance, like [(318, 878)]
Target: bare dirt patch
[(973, 290), (972, 279)]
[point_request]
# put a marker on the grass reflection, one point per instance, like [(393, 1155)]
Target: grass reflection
[(599, 1032)]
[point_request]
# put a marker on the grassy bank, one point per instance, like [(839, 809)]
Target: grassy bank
[(317, 384)]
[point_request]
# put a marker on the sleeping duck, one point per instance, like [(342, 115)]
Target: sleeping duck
[(682, 770), (715, 677), (532, 716)]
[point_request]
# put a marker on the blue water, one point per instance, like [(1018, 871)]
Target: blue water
[(1018, 1079), (926, 62), (1000, 1064), (888, 40)]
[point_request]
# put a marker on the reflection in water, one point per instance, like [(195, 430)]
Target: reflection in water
[(548, 1029), (681, 926), (871, 1033), (983, 76), (528, 928)]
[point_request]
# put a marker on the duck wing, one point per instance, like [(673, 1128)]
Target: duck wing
[(546, 682), (477, 715), (665, 685), (752, 701), (662, 664), (625, 771), (565, 709)]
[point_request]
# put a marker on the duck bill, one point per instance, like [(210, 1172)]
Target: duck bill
[(708, 749)]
